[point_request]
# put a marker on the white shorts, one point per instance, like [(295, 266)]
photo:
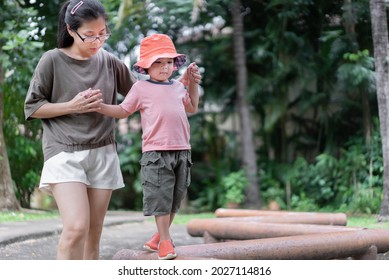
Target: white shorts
[(96, 168)]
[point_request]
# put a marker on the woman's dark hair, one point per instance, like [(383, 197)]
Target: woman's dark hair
[(75, 13)]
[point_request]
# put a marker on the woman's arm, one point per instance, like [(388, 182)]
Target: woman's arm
[(84, 102)]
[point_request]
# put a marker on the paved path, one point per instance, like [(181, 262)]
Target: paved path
[(37, 240)]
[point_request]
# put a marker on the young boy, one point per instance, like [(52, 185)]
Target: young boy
[(166, 151)]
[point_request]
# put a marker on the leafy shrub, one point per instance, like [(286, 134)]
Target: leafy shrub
[(234, 185), (350, 182)]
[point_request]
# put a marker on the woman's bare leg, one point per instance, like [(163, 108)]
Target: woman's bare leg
[(98, 204), (73, 205)]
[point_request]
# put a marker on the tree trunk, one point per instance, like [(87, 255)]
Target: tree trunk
[(8, 199), (349, 26), (381, 44), (248, 155)]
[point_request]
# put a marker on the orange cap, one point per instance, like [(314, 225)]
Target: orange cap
[(154, 47)]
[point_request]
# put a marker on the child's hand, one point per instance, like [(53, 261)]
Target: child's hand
[(193, 73), (86, 101)]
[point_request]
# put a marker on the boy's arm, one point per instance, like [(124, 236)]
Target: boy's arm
[(114, 111), (193, 89)]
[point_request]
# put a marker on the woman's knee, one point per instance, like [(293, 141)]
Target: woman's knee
[(76, 230)]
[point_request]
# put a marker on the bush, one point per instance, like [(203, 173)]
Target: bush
[(234, 185), (351, 182)]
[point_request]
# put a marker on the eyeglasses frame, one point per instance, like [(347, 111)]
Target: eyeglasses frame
[(96, 37)]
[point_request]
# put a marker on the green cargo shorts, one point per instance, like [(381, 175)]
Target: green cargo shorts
[(165, 179)]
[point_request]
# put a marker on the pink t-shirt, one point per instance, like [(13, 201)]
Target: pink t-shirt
[(164, 121)]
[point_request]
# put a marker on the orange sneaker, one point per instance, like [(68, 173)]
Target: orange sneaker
[(166, 250), (152, 244)]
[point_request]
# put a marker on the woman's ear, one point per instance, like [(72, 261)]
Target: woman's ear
[(70, 31)]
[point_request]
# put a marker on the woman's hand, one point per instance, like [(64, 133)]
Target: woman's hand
[(86, 101)]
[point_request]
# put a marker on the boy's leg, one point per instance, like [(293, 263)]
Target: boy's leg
[(152, 244), (172, 215), (163, 224), (166, 248)]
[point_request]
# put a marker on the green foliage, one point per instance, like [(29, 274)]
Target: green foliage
[(357, 71), (272, 189), (351, 182), (234, 185), (366, 201), (129, 147), (26, 163), (19, 54), (303, 203), (298, 57), (307, 75), (214, 157), (130, 152)]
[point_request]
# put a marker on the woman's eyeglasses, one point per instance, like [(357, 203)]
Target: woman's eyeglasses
[(91, 39)]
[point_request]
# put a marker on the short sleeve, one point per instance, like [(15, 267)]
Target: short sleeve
[(40, 88)]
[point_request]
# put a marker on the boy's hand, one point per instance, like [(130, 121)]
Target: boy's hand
[(87, 101), (194, 73)]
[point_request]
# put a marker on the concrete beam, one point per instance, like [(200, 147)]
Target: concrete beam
[(314, 220), (339, 245), (324, 218), (222, 229)]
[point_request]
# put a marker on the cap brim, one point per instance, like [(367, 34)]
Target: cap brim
[(143, 64)]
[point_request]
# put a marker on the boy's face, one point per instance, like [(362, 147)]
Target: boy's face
[(161, 69)]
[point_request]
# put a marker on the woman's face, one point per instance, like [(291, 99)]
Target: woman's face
[(85, 33)]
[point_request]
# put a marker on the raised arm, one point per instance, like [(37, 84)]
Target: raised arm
[(193, 88)]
